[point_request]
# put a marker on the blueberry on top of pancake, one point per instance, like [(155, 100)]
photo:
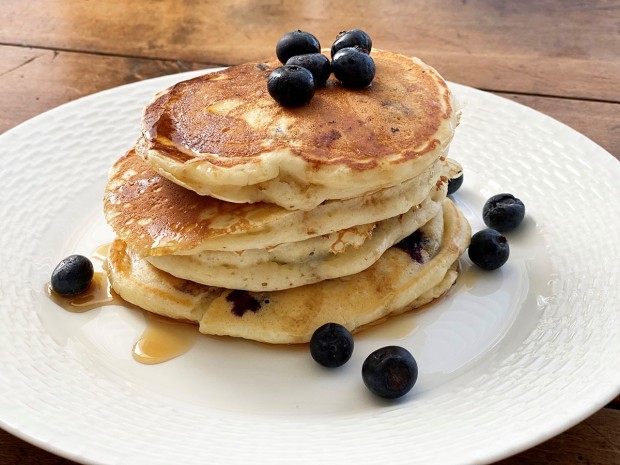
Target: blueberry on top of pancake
[(222, 135)]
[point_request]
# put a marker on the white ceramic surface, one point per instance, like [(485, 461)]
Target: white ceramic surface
[(507, 359)]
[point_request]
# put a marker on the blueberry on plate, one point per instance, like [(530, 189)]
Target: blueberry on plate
[(296, 43), (455, 176), (316, 63), (331, 345), (390, 372), (72, 275), (352, 38), (489, 249), (353, 67), (454, 184), (290, 85), (503, 212)]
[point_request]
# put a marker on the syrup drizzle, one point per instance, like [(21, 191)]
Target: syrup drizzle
[(467, 277), (98, 294), (162, 340), (395, 328), (101, 252)]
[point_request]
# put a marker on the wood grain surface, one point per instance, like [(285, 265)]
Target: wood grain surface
[(542, 47), (36, 80), (559, 57)]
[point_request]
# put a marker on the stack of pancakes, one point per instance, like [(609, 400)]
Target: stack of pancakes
[(264, 222)]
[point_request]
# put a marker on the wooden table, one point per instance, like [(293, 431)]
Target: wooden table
[(561, 58)]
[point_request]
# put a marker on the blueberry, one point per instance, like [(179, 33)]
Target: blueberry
[(455, 177), (488, 249), (352, 38), (390, 372), (72, 275), (454, 184), (353, 67), (331, 345), (291, 86), (503, 212), (296, 43), (316, 63)]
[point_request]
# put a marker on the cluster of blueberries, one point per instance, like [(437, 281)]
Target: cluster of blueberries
[(391, 371), (305, 68), (488, 248)]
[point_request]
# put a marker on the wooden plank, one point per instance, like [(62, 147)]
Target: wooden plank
[(35, 80), (14, 451), (539, 75), (542, 47), (595, 441)]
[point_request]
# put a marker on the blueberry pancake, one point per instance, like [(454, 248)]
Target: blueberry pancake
[(137, 189), (222, 134), (342, 253), (263, 222), (412, 273), (158, 217)]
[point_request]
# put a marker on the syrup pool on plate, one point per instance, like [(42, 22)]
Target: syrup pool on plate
[(163, 338), (98, 294)]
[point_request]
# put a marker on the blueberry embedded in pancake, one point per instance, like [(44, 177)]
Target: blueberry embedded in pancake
[(242, 302), (419, 246), (413, 245), (294, 264)]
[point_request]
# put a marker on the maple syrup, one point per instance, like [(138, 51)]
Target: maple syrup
[(467, 278), (101, 252), (395, 327), (163, 339), (98, 294)]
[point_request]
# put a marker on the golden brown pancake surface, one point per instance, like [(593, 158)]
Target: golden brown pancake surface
[(405, 277), (228, 118), (151, 212), (158, 217)]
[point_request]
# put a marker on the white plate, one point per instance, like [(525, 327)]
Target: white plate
[(507, 359)]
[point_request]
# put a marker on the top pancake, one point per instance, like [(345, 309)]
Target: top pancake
[(223, 135)]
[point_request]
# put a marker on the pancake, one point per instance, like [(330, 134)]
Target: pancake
[(157, 217), (299, 263), (222, 135), (405, 277)]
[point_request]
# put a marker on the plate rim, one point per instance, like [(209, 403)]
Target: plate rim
[(39, 441)]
